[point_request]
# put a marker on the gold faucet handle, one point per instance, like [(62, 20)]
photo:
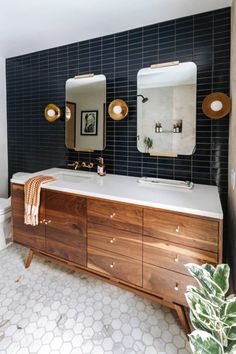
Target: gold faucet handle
[(74, 164), (87, 165)]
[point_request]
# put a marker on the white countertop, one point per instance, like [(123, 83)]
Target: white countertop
[(202, 200)]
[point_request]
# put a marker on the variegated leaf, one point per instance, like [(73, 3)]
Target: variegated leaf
[(204, 343), (230, 308), (203, 278), (209, 268), (221, 277)]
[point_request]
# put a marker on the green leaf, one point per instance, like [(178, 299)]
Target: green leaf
[(197, 324), (201, 311), (221, 277), (217, 301), (231, 333), (204, 279), (200, 304), (231, 349), (204, 343), (228, 321), (212, 315), (230, 308), (200, 293), (209, 268), (222, 309)]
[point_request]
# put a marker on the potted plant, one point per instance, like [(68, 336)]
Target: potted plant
[(148, 142), (212, 314)]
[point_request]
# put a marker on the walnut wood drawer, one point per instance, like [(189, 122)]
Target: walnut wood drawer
[(166, 283), (27, 235), (113, 240), (115, 266), (66, 234), (172, 256), (119, 216), (185, 230)]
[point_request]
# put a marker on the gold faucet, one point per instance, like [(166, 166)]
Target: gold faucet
[(77, 165)]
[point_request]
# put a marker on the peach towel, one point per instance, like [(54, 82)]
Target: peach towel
[(32, 191)]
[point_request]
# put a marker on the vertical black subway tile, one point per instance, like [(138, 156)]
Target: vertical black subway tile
[(35, 79)]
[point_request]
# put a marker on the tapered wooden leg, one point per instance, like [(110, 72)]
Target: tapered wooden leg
[(29, 258), (183, 318)]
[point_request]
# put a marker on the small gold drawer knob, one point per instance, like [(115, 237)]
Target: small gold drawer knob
[(176, 287), (112, 265), (49, 221), (177, 229), (177, 259), (112, 215), (112, 240)]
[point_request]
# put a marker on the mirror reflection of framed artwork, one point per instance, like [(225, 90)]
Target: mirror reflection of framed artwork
[(88, 92), (89, 122)]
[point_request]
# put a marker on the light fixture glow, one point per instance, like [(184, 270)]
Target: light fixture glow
[(117, 109), (51, 112), (216, 106)]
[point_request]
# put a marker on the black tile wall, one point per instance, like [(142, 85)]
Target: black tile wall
[(36, 79)]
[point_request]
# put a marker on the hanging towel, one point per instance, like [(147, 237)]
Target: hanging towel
[(32, 191)]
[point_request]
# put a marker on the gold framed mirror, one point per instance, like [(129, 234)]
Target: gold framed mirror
[(52, 112), (118, 109), (166, 109), (85, 112), (216, 105)]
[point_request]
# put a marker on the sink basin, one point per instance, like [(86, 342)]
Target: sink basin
[(73, 177)]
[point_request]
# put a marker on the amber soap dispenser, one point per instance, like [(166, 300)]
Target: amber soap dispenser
[(101, 168)]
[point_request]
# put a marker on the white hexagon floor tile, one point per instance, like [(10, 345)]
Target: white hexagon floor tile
[(50, 309)]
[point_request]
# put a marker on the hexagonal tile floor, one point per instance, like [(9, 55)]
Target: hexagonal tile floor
[(48, 309)]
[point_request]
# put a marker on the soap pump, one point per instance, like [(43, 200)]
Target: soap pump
[(101, 168)]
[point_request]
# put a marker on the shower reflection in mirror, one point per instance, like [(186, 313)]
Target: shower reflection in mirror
[(166, 109)]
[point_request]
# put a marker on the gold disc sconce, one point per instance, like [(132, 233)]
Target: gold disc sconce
[(216, 105), (118, 109), (52, 112)]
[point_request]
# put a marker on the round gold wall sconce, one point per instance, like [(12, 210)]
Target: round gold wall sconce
[(52, 112), (216, 105), (118, 109)]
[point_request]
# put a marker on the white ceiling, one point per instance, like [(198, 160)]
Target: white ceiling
[(31, 25)]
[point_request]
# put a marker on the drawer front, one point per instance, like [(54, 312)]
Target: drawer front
[(119, 216), (27, 235), (171, 256), (185, 230), (115, 266), (66, 234), (113, 240), (167, 284)]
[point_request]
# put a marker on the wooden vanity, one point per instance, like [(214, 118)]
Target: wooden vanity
[(139, 248)]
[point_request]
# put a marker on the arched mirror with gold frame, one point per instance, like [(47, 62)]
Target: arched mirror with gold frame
[(85, 113), (166, 109)]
